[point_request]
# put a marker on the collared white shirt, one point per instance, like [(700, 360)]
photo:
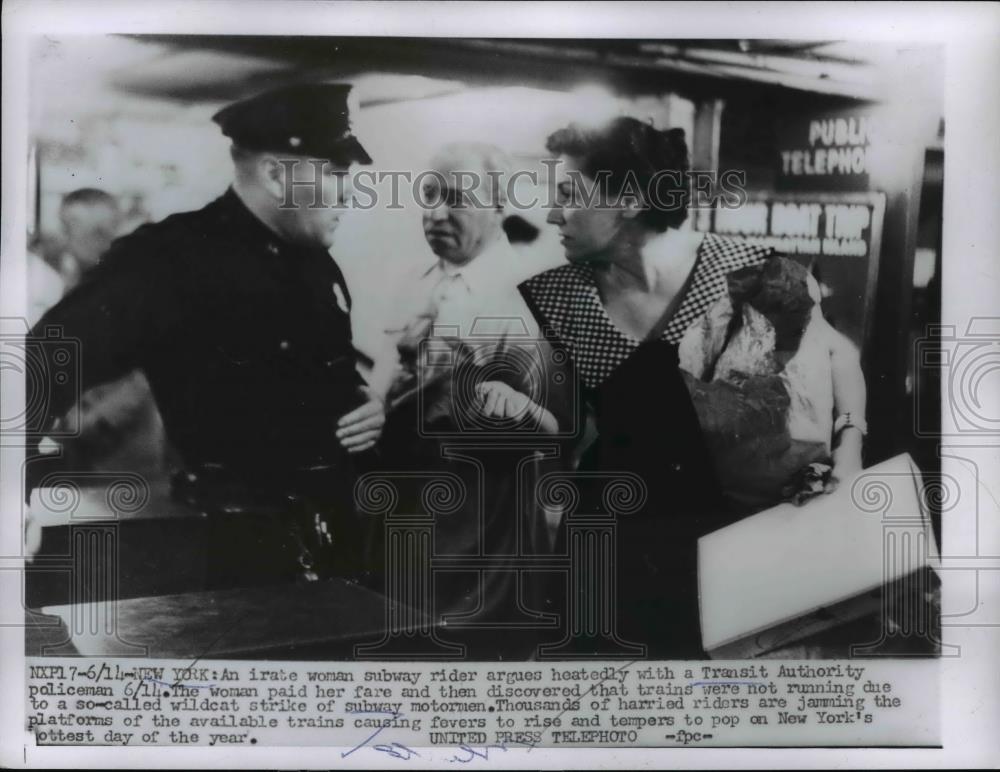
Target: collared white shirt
[(477, 300)]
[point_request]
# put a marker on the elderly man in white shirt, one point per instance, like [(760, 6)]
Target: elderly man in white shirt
[(464, 311), (468, 294)]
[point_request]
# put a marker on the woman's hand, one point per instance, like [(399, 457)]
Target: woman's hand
[(846, 460), (498, 400)]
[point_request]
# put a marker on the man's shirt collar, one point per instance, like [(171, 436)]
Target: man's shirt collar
[(489, 269)]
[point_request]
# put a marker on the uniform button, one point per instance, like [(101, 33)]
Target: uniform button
[(284, 345), (272, 248), (329, 363), (676, 467)]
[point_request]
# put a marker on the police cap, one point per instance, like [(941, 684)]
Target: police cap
[(309, 119)]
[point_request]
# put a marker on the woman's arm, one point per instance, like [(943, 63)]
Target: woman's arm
[(849, 402), (536, 358), (549, 414), (498, 400)]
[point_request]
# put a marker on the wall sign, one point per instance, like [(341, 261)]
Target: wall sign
[(829, 151)]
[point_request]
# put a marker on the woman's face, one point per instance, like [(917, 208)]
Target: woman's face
[(587, 224)]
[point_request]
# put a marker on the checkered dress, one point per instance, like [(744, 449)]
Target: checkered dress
[(568, 307)]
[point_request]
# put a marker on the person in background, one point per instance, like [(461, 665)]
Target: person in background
[(90, 220), (240, 320), (464, 355), (118, 427)]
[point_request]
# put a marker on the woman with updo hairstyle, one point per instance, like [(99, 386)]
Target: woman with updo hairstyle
[(630, 156), (679, 343), (634, 281)]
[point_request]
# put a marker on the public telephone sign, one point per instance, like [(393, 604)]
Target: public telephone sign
[(831, 151)]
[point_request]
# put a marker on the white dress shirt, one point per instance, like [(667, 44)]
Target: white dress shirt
[(477, 300)]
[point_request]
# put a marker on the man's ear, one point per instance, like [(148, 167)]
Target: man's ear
[(272, 176)]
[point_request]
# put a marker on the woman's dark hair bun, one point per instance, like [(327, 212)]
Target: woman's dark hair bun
[(627, 150), (676, 141), (676, 136)]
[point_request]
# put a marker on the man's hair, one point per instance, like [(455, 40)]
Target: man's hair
[(89, 196), (495, 162), (627, 149)]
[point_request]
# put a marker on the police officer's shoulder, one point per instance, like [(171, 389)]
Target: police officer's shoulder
[(165, 243)]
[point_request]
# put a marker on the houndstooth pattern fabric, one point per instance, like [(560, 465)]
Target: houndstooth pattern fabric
[(569, 305)]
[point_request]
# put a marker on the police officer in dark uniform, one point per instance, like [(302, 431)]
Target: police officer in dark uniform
[(239, 318)]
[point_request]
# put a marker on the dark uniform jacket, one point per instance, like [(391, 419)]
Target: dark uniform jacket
[(245, 339)]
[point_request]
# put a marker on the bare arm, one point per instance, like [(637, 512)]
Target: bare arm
[(551, 368), (499, 400), (849, 396)]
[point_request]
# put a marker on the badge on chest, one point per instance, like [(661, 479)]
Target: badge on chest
[(341, 298)]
